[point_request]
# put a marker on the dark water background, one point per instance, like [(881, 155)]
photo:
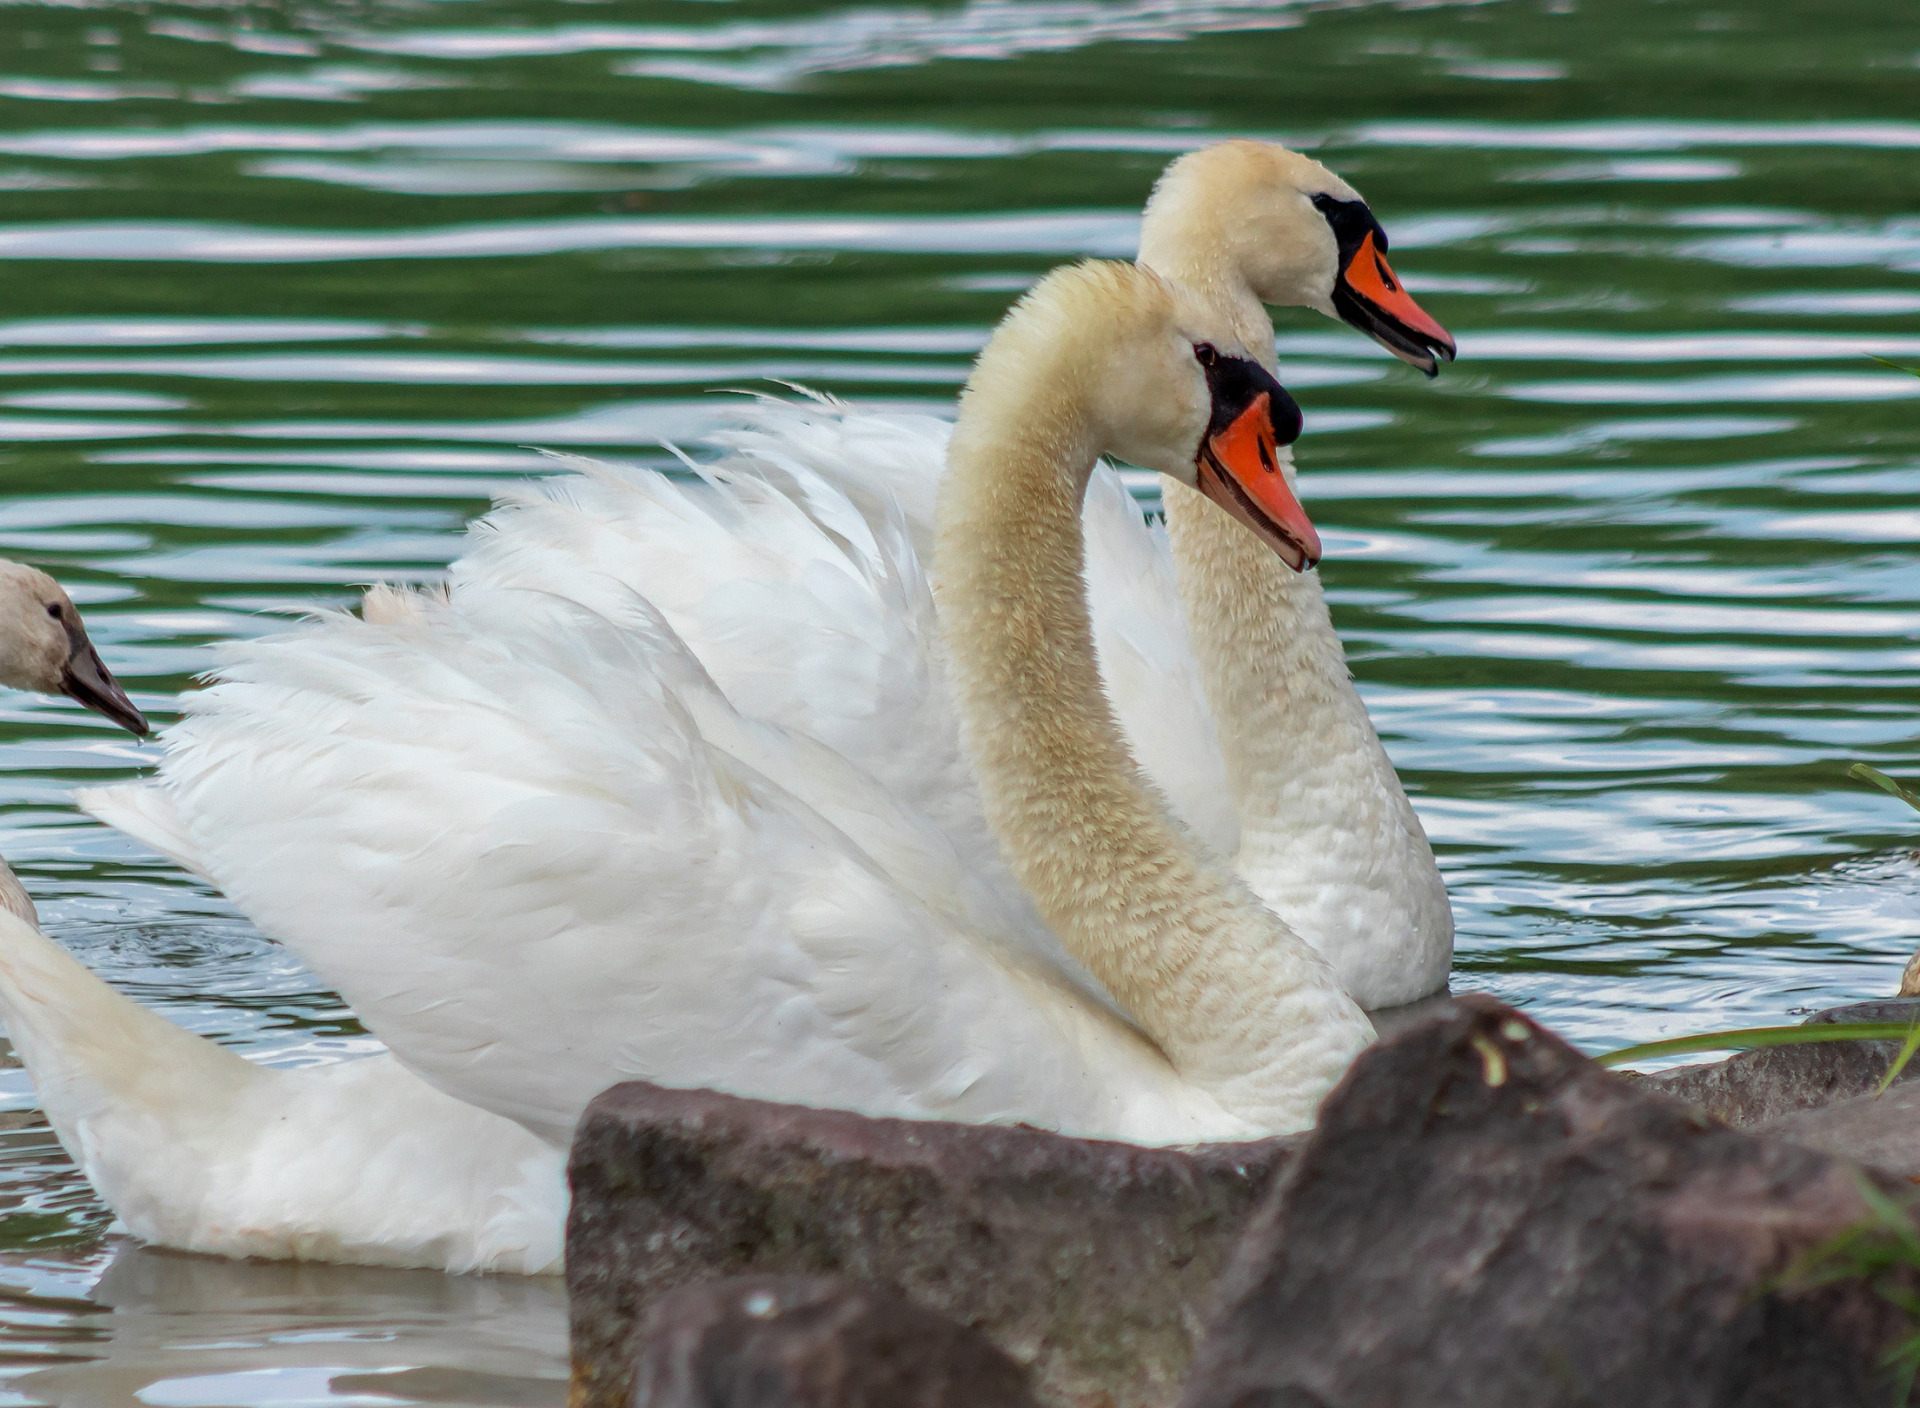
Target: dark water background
[(286, 290)]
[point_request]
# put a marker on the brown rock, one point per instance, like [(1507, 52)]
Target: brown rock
[(1485, 1218), (1882, 1132), (1090, 1263), (813, 1342), (1753, 1088)]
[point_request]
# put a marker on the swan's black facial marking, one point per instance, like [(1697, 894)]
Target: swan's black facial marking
[(1352, 222), (1367, 295), (1235, 383), (1237, 463)]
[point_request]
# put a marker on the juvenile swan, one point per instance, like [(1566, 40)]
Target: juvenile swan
[(44, 648), (193, 1146)]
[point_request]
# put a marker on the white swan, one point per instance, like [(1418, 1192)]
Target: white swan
[(1221, 660), (1326, 835), (538, 847), (196, 1148), (1232, 689)]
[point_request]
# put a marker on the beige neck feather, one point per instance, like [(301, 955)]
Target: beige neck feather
[(1236, 1001), (1255, 623), (1261, 631)]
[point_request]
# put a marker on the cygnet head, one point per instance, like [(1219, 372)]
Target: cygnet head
[(1257, 216), (1152, 374), (44, 647)]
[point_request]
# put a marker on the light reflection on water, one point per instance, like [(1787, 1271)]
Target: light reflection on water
[(168, 1331), (287, 299)]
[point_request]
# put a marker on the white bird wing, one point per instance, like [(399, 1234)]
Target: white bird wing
[(820, 620), (538, 850), (891, 464), (804, 611)]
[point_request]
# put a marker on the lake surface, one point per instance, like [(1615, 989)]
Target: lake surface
[(287, 292)]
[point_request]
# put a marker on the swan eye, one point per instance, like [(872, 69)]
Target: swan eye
[(53, 610), (1204, 354)]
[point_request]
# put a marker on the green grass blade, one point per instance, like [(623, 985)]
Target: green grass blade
[(1749, 1037), (1907, 1048), (1885, 784), (1914, 371)]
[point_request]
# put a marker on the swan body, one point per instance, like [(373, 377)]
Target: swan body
[(628, 811), (670, 784)]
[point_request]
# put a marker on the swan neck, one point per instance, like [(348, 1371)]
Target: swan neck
[(1272, 666), (1236, 1001), (1060, 788)]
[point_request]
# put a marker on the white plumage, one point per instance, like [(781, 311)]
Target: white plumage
[(197, 1148), (669, 784)]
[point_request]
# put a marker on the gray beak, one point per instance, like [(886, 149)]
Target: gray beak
[(87, 679)]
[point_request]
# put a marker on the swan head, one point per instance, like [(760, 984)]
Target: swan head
[(1111, 359), (1254, 216), (44, 648)]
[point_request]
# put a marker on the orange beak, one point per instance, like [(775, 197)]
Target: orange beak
[(1239, 469), (1369, 275), (1368, 296)]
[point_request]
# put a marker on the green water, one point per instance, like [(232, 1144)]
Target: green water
[(286, 293)]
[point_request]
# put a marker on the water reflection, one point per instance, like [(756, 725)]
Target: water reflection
[(172, 1331)]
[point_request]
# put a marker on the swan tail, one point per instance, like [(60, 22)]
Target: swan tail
[(146, 812)]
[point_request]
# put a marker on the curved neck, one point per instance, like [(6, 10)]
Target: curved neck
[(1269, 658), (1288, 718), (1236, 1001)]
